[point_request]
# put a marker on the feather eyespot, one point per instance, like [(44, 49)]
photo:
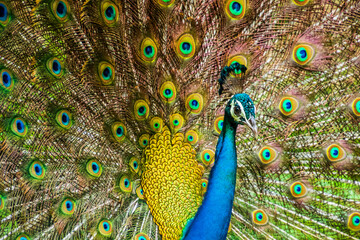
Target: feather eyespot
[(235, 9), (140, 192), (2, 202), (166, 3), (185, 46), (54, 66), (259, 217), (105, 227), (356, 107), (207, 156), (288, 106), (218, 124), (194, 103), (144, 140), (204, 185), (125, 184), (192, 137), (237, 59), (118, 130), (37, 170), (301, 2), (303, 54), (109, 13), (168, 92), (148, 50), (354, 221), (134, 164), (141, 110), (94, 168), (298, 190), (156, 124), (64, 119), (267, 155), (4, 14), (19, 127), (61, 10), (142, 236), (106, 73), (23, 236), (335, 153), (7, 81), (176, 121), (68, 206)]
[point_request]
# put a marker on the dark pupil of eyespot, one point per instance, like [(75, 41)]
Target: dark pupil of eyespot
[(156, 125), (109, 12), (176, 121), (303, 53), (260, 216), (135, 165), (194, 103), (298, 189), (106, 226), (2, 11), (60, 8), (68, 205), (288, 105), (267, 154), (141, 109), (94, 167), (56, 66), (167, 91), (236, 6), (191, 138), (148, 50), (126, 183), (6, 78), (208, 156), (141, 191), (119, 131), (19, 126), (145, 142), (106, 72), (37, 169), (357, 220), (222, 123), (64, 118), (336, 152), (186, 46)]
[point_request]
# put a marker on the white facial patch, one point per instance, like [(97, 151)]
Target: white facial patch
[(232, 110)]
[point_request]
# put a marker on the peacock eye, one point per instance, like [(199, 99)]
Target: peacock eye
[(118, 131), (298, 190), (148, 51), (335, 153), (303, 54), (185, 46), (237, 110), (288, 106), (144, 140), (109, 12), (106, 73), (192, 137), (4, 14), (37, 170), (94, 168), (356, 107), (259, 217), (68, 206), (141, 110), (354, 221), (64, 119), (204, 184), (301, 2), (125, 184), (176, 121), (141, 236), (60, 9), (54, 66), (19, 127), (134, 164), (194, 103), (218, 124), (156, 124), (140, 192), (105, 228), (7, 82), (23, 236), (207, 156), (168, 92), (235, 9), (267, 155)]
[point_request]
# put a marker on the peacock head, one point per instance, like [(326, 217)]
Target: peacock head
[(241, 110)]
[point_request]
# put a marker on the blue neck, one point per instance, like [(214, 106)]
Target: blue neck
[(213, 217)]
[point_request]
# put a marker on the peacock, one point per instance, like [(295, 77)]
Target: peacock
[(179, 120)]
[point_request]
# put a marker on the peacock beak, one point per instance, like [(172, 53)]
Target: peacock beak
[(251, 123)]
